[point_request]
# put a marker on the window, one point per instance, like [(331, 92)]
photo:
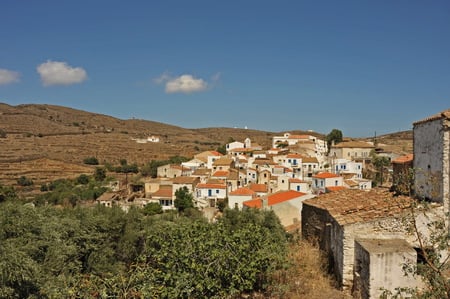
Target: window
[(298, 188), (321, 183), (336, 182), (217, 191)]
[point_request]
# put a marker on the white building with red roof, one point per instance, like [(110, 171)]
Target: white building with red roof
[(323, 180), (238, 196)]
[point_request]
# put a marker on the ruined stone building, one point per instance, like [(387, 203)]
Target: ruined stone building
[(364, 233)]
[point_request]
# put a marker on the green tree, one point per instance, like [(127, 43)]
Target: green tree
[(335, 135), (24, 181), (7, 193), (90, 161), (152, 208), (222, 149), (82, 179), (2, 133), (183, 199), (380, 163), (100, 174)]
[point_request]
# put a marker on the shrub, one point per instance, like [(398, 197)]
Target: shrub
[(91, 161), (24, 181)]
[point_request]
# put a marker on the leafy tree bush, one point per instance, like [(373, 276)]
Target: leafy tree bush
[(24, 181), (82, 179), (335, 135), (100, 174), (106, 253), (7, 193), (183, 199), (90, 161), (152, 208)]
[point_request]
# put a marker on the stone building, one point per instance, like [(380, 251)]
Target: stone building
[(335, 220), (432, 158)]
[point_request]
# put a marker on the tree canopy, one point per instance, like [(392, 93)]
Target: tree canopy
[(106, 253), (335, 135)]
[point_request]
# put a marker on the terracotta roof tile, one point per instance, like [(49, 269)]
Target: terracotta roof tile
[(185, 180), (441, 115), (404, 159), (335, 188), (254, 203), (353, 205), (242, 191), (221, 173), (283, 196), (258, 187), (274, 199), (210, 186), (353, 144), (309, 160), (325, 175), (163, 191), (223, 161)]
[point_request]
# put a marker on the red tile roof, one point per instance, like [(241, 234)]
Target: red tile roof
[(353, 205), (325, 175), (221, 173), (404, 159), (335, 188), (294, 156), (254, 203), (185, 180), (211, 186), (274, 199), (258, 187), (441, 115), (242, 192), (163, 191)]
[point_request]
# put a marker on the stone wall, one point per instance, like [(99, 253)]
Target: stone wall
[(379, 267)]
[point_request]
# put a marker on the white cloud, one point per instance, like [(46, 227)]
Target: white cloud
[(182, 84), (8, 77), (60, 73), (163, 78)]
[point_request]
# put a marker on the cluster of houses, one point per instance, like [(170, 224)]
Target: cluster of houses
[(297, 167), (323, 193)]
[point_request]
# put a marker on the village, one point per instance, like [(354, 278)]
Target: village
[(322, 193)]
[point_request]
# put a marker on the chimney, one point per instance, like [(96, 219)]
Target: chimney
[(264, 203)]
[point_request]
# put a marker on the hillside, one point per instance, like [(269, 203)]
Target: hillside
[(44, 142)]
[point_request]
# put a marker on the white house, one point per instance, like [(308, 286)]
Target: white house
[(340, 166), (208, 194), (299, 185), (323, 180), (233, 145), (238, 196), (194, 164)]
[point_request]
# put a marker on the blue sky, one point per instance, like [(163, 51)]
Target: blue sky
[(358, 66)]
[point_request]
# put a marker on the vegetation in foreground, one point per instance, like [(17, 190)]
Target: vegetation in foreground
[(48, 252)]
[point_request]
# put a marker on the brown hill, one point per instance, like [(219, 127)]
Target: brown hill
[(55, 133), (49, 133)]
